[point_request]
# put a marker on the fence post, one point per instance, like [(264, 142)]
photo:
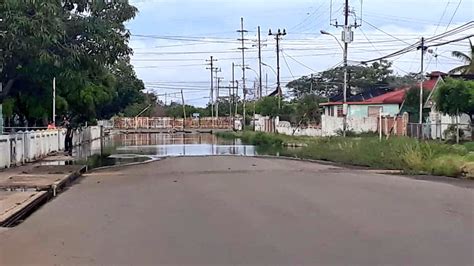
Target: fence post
[(380, 125)]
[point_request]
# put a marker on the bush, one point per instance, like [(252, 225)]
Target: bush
[(451, 132), (469, 146), (448, 165)]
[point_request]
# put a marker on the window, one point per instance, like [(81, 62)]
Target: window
[(340, 111)]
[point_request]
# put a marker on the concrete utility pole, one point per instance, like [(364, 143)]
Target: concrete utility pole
[(216, 102), (184, 109), (347, 37), (278, 37), (218, 80), (346, 45), (423, 48), (259, 45), (212, 68), (242, 31)]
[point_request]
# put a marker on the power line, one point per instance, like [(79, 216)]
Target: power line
[(388, 34), (299, 62), (286, 63), (454, 14), (442, 16)]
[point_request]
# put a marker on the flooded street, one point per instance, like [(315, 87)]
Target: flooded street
[(129, 148)]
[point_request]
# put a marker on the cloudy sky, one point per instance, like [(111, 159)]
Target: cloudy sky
[(172, 39)]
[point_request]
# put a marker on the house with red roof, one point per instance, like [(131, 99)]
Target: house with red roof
[(389, 103)]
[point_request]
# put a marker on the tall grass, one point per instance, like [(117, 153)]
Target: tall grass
[(410, 155)]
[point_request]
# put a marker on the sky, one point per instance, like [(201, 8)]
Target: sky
[(173, 39)]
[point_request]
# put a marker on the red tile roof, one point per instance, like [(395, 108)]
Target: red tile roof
[(393, 97)]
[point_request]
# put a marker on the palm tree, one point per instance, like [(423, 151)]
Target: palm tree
[(468, 68)]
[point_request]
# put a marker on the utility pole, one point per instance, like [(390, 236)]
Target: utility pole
[(212, 68), (218, 80), (233, 100), (346, 46), (347, 37), (231, 88), (216, 102), (54, 101), (266, 83), (184, 109), (423, 48), (237, 102), (259, 45), (242, 31), (278, 37)]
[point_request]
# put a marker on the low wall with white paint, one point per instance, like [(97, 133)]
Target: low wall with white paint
[(332, 125), (22, 147)]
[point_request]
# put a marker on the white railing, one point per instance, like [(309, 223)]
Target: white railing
[(28, 146)]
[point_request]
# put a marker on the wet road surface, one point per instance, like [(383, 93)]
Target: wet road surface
[(247, 211)]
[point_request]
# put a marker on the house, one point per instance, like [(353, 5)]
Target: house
[(439, 122), (389, 103)]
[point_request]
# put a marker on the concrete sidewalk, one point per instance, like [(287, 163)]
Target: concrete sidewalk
[(23, 189)]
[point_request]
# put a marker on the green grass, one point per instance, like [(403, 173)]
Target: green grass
[(410, 155)]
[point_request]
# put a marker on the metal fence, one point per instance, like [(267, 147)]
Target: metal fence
[(440, 131)]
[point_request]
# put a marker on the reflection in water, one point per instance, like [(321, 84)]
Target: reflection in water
[(128, 148), (161, 145)]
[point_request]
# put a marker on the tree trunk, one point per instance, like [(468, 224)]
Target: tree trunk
[(6, 90)]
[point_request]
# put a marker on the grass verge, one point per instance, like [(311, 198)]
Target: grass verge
[(398, 153)]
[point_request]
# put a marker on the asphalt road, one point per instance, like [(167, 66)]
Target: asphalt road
[(247, 211)]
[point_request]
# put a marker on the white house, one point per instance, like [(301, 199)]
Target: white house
[(440, 122)]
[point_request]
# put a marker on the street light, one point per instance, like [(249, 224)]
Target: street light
[(344, 103), (323, 32), (270, 67)]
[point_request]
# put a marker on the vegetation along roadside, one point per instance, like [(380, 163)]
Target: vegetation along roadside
[(406, 154)]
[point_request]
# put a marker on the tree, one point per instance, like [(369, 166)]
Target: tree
[(455, 96), (468, 68), (79, 42), (411, 105), (308, 110), (330, 83)]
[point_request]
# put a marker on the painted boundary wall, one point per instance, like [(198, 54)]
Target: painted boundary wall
[(331, 126), (23, 147)]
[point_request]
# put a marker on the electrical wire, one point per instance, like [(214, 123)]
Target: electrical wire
[(454, 14), (287, 66), (299, 62)]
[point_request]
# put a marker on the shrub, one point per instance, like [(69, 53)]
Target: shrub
[(448, 165), (469, 146)]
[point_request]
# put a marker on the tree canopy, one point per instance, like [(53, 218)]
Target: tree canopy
[(330, 82), (83, 44), (467, 59), (455, 96)]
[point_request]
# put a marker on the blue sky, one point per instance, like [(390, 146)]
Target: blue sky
[(178, 36)]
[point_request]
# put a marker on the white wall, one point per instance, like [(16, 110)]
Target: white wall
[(331, 125), (21, 147)]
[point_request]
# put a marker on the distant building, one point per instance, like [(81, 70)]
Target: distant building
[(389, 103), (440, 122)]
